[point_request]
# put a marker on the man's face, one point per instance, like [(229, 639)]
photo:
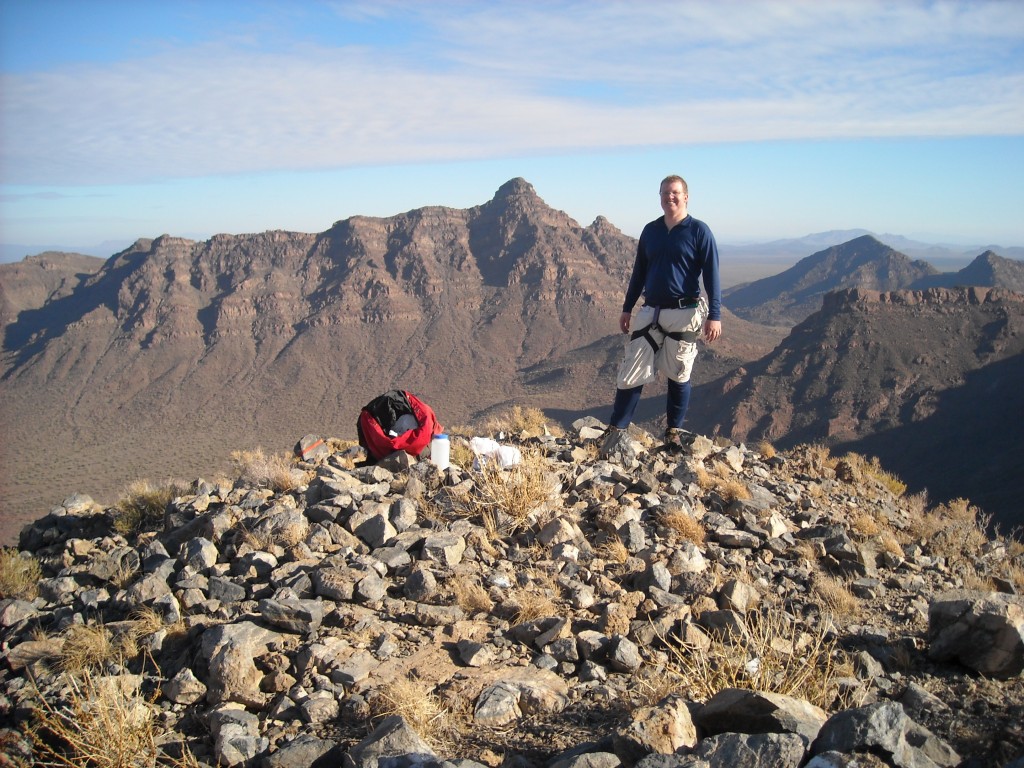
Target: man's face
[(673, 199)]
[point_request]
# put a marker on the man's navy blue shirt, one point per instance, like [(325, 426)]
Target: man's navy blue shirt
[(670, 263)]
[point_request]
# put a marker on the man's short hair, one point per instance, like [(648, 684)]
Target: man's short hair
[(674, 178)]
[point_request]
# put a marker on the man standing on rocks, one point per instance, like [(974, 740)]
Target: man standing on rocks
[(674, 253)]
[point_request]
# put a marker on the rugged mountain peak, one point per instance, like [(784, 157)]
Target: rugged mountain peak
[(602, 226), (989, 268), (514, 189)]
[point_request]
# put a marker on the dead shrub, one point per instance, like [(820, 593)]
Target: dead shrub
[(19, 574), (518, 420), (766, 449), (274, 471), (775, 654), (509, 499), (142, 506), (101, 722)]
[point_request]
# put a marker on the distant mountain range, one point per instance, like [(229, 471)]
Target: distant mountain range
[(790, 296), (944, 257), (160, 360)]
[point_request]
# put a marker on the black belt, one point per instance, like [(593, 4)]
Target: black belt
[(684, 303)]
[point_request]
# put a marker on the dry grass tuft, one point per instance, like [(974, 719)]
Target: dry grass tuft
[(686, 526), (721, 480), (766, 449), (775, 655), (102, 722), (472, 597), (19, 574), (420, 706), (834, 595), (613, 550), (274, 471), (519, 421), (142, 505), (510, 499), (530, 603)]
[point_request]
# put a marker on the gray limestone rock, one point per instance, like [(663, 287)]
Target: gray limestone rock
[(394, 737), (984, 632), (884, 728), (746, 711), (665, 728)]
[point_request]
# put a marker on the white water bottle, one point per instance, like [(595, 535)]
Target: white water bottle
[(440, 451)]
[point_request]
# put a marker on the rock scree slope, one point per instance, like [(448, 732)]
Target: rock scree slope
[(600, 602)]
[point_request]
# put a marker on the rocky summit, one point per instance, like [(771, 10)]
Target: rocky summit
[(587, 599)]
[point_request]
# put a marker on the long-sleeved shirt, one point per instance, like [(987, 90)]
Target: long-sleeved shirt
[(670, 263)]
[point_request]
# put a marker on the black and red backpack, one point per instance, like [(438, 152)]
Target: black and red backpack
[(378, 420)]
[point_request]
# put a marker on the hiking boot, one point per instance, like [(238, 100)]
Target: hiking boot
[(678, 439)]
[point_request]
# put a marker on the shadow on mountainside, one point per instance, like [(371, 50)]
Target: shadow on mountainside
[(34, 328), (963, 450)]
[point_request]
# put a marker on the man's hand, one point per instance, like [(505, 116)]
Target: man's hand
[(624, 319), (712, 330)]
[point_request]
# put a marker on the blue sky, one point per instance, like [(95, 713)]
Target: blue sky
[(122, 119)]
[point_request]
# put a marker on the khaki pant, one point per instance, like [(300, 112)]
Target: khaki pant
[(641, 363)]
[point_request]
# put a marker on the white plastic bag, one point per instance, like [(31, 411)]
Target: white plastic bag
[(490, 451)]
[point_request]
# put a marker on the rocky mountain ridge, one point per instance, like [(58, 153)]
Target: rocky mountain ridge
[(175, 352), (167, 356), (869, 363), (270, 624)]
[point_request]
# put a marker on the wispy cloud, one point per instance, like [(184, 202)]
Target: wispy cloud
[(491, 80)]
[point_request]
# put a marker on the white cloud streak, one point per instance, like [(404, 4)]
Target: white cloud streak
[(508, 79)]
